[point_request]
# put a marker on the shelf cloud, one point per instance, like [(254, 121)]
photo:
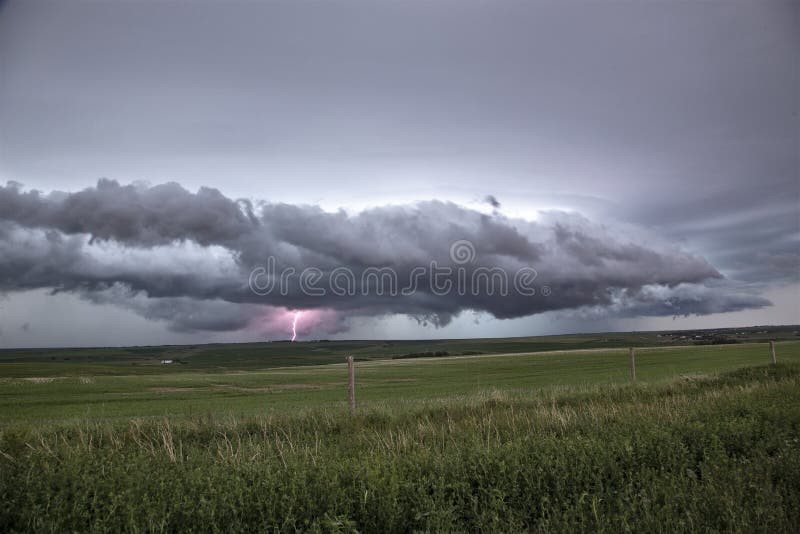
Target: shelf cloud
[(188, 259)]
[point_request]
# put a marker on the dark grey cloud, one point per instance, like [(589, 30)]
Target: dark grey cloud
[(186, 257), (751, 232), (181, 314), (135, 215), (492, 201), (681, 300)]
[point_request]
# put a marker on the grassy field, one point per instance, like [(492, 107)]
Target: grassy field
[(54, 399), (249, 356), (707, 439)]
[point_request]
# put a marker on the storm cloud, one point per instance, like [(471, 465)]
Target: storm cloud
[(187, 258), (642, 158)]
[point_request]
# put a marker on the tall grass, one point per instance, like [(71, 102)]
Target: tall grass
[(716, 453)]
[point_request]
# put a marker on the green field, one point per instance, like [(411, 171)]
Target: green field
[(249, 356), (29, 398), (708, 438)]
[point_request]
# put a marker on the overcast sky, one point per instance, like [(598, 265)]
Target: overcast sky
[(643, 158)]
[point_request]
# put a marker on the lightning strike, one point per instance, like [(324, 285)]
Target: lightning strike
[(294, 324)]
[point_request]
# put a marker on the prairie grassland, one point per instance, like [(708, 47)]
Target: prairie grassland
[(559, 445), (145, 360), (51, 399)]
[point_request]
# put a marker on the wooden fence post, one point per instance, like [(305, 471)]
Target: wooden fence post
[(631, 353), (772, 348), (351, 384)]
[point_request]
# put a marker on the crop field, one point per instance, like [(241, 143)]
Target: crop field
[(708, 438)]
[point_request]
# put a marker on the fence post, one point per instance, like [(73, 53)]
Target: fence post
[(351, 384), (772, 348), (631, 353)]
